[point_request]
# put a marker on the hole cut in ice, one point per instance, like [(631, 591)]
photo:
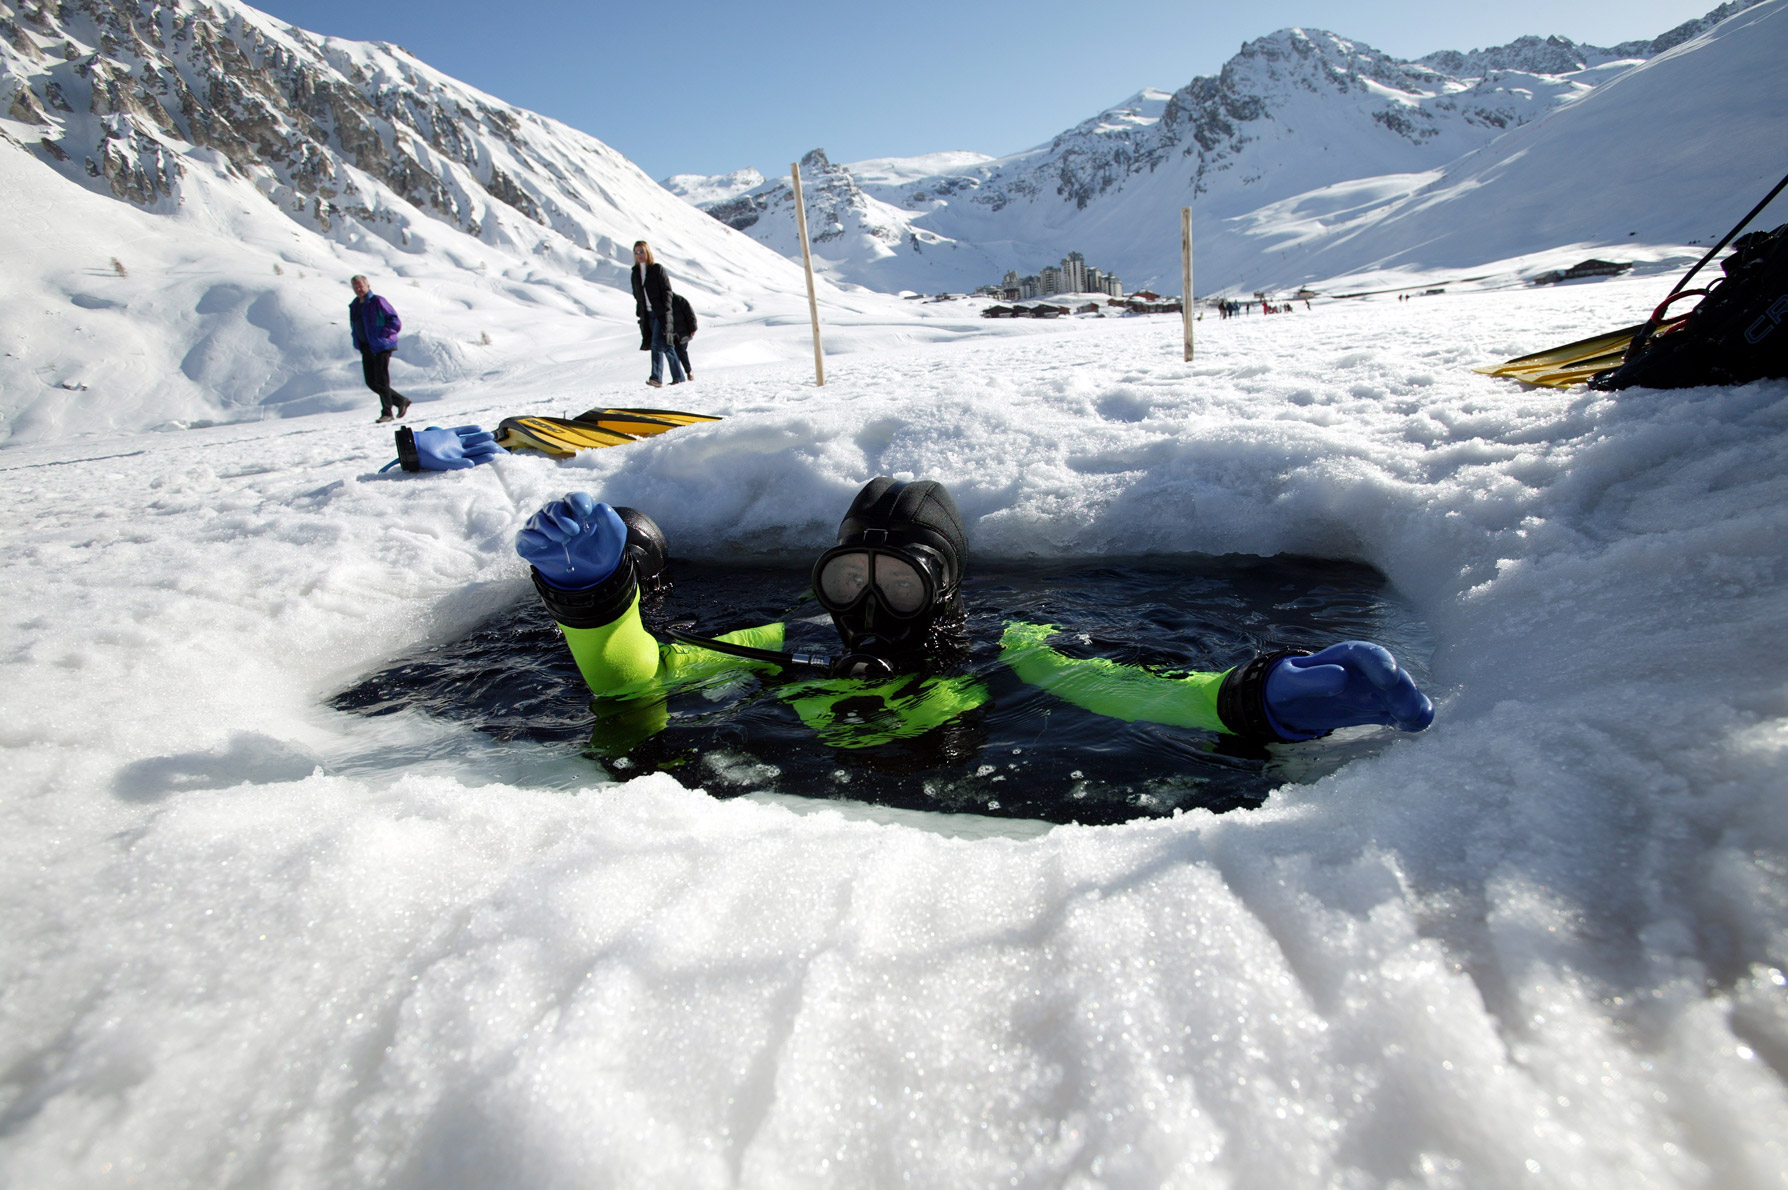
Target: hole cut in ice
[(1023, 753)]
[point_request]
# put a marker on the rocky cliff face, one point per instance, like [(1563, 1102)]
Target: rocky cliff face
[(1292, 111), (128, 95), (1561, 55)]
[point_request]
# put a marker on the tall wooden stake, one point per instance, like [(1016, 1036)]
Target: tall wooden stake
[(819, 356), (1186, 280)]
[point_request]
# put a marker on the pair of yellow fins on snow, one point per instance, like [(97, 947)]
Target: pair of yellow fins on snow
[(562, 437), (1570, 363), (1579, 362)]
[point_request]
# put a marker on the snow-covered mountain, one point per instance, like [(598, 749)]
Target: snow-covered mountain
[(1294, 112), (187, 175), (851, 231), (700, 190), (1670, 152)]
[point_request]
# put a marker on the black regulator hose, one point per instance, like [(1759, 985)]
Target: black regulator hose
[(853, 665)]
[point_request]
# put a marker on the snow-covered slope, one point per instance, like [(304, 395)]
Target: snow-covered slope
[(1299, 111), (192, 184), (1671, 152)]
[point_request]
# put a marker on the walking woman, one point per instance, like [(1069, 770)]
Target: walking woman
[(652, 302)]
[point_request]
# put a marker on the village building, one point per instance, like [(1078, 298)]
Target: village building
[(1583, 268), (1073, 275)]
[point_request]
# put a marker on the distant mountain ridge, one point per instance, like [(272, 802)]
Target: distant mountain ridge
[(1558, 55), (1292, 112)]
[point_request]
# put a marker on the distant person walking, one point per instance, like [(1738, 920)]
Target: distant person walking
[(375, 326), (657, 315)]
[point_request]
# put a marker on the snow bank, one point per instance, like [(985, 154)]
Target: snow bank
[(254, 941)]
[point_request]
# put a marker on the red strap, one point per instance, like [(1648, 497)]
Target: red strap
[(1658, 314)]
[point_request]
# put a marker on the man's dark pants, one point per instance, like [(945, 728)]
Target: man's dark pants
[(376, 365)]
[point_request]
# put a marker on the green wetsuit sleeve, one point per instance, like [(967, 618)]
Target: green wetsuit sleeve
[(1105, 687), (622, 656), (615, 656), (692, 663), (631, 675)]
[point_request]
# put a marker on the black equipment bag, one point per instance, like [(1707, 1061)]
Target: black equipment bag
[(1738, 333)]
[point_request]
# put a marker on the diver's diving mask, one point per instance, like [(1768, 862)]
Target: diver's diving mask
[(903, 581)]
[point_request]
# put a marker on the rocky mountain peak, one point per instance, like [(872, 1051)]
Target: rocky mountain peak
[(1294, 111), (127, 94)]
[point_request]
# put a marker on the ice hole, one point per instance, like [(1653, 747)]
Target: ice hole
[(511, 678)]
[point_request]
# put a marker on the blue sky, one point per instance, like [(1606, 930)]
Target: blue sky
[(699, 87)]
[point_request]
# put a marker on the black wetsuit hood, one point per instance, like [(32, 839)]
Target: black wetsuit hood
[(918, 515)]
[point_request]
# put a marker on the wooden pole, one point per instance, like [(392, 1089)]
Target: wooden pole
[(819, 356), (1186, 279)]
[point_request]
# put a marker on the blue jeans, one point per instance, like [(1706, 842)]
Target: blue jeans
[(661, 351)]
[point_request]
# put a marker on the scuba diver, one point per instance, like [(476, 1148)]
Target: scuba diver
[(892, 585)]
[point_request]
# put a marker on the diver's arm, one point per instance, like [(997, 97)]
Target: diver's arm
[(692, 663), (1284, 696), (1105, 687), (613, 655), (586, 575)]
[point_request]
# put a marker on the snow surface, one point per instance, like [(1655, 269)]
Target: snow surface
[(226, 310), (252, 941), (249, 940)]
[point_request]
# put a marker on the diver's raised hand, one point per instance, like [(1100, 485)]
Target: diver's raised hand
[(574, 543), (455, 449), (1345, 685)]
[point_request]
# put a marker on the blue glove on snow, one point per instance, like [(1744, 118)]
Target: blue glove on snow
[(435, 449), (455, 449), (574, 543), (1345, 685)]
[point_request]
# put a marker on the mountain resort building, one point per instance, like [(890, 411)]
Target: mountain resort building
[(1073, 275)]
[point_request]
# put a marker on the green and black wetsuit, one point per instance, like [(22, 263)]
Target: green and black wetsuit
[(631, 673)]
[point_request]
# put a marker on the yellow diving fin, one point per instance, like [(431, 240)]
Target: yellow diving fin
[(563, 437), (1572, 363)]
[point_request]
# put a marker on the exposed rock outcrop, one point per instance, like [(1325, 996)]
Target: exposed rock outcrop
[(153, 81)]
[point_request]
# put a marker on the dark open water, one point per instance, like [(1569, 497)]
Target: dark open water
[(1025, 754)]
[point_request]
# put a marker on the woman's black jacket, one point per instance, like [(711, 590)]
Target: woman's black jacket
[(654, 296)]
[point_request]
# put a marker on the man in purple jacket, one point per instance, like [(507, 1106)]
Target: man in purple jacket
[(375, 326)]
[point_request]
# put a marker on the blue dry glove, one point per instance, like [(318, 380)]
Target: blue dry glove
[(1343, 686), (455, 449), (574, 543)]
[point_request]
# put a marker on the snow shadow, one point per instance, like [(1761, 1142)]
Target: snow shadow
[(249, 758)]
